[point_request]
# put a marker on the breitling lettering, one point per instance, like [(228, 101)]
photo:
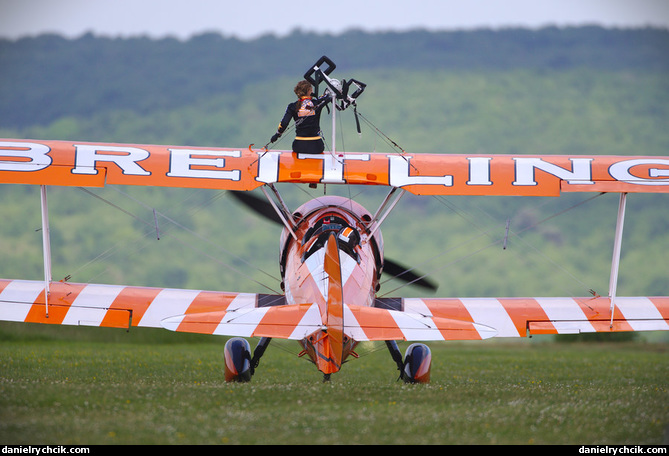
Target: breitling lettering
[(126, 158), (333, 166), (622, 171), (581, 172), (50, 162), (31, 156), (400, 176), (479, 171), (184, 163), (268, 167)]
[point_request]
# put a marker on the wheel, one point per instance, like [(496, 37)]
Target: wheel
[(417, 364), (237, 360)]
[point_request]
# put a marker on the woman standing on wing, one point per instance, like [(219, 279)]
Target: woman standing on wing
[(306, 112)]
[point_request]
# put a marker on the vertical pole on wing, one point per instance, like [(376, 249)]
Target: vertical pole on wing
[(615, 262), (334, 123), (333, 150), (46, 247)]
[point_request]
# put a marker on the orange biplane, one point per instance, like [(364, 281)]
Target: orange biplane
[(332, 256)]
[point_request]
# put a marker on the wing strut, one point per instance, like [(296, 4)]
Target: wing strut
[(283, 212), (46, 247), (382, 212), (615, 262)]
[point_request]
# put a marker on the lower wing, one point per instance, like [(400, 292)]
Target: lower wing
[(522, 317), (261, 315), (115, 306), (195, 311), (209, 312)]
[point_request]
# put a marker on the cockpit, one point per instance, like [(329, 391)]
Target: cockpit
[(347, 237)]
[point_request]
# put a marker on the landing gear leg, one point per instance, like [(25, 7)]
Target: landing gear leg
[(258, 352), (396, 355)]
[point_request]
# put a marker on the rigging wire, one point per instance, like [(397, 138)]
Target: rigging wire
[(381, 134), (439, 255), (181, 242), (562, 268), (202, 238), (462, 214), (108, 252), (516, 234)]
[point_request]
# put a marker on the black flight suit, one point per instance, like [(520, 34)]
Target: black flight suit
[(307, 125)]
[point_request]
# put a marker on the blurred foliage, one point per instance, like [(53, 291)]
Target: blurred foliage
[(48, 77)]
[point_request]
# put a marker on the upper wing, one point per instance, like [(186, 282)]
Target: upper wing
[(94, 164)]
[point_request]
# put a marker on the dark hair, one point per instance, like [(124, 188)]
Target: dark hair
[(302, 90)]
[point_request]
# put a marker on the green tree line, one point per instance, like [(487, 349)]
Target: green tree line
[(48, 77)]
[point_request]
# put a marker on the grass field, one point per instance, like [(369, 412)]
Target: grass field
[(73, 386)]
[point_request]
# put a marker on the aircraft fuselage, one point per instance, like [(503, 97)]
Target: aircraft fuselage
[(354, 278)]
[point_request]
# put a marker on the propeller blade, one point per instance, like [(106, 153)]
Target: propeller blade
[(259, 206), (399, 272)]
